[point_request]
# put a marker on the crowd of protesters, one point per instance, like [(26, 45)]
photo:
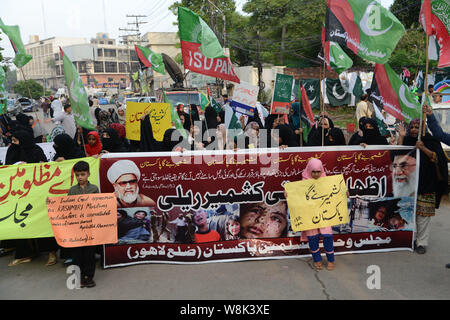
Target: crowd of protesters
[(207, 129)]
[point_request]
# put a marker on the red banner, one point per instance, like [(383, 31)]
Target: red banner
[(203, 207), (194, 60)]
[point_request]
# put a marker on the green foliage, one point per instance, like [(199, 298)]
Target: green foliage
[(35, 88), (407, 11)]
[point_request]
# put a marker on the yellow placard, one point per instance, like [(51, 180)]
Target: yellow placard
[(23, 192), (160, 119), (317, 203)]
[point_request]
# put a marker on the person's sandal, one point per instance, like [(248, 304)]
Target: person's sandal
[(318, 265), (52, 260), (16, 262)]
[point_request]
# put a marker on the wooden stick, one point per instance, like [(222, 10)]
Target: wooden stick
[(422, 115)]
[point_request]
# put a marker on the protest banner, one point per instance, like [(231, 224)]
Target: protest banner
[(317, 203), (244, 100), (220, 195), (23, 192), (83, 220), (159, 114), (282, 91)]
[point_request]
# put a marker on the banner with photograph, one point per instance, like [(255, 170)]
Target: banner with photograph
[(198, 207)]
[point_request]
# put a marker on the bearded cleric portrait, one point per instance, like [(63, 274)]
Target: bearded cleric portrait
[(124, 175), (404, 177)]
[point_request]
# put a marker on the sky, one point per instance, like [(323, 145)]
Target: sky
[(85, 18)]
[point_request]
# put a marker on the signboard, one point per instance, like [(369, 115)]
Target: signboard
[(315, 204), (245, 97), (281, 99), (160, 118), (83, 220)]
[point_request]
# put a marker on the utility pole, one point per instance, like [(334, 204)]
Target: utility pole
[(133, 36)]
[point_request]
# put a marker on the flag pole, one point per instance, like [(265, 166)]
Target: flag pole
[(31, 98), (300, 113), (322, 103), (422, 114)]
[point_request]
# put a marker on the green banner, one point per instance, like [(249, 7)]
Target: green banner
[(77, 94), (282, 94)]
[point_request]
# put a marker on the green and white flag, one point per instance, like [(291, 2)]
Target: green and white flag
[(336, 94), (232, 122), (77, 94), (13, 33), (355, 86)]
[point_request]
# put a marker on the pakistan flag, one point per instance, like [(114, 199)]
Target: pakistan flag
[(336, 94), (312, 88), (77, 94)]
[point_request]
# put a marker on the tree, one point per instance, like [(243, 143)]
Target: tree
[(407, 11), (35, 89)]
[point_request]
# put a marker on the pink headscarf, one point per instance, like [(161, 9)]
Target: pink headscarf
[(313, 165)]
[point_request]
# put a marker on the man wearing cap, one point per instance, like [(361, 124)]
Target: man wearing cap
[(124, 175)]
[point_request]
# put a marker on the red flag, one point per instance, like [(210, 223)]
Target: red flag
[(307, 106)]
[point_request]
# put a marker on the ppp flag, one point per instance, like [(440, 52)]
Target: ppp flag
[(392, 94), (13, 33), (365, 27), (434, 17), (201, 50), (150, 59), (335, 58), (77, 94)]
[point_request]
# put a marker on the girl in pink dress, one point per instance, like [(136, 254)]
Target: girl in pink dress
[(314, 170)]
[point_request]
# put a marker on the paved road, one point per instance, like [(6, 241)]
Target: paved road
[(404, 276)]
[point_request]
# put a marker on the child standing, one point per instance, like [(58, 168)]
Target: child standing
[(314, 170), (84, 257)]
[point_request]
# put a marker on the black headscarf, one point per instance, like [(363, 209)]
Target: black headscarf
[(65, 147), (315, 135), (148, 142), (194, 112), (338, 137), (372, 136), (210, 118), (356, 138), (26, 150), (113, 143), (287, 135), (433, 177)]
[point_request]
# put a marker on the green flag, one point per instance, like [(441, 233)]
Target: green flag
[(312, 88), (204, 101), (13, 33), (175, 117), (336, 94), (365, 27), (77, 94), (150, 59), (355, 86), (200, 48)]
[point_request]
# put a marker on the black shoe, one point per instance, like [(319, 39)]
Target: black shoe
[(421, 250), (89, 283), (447, 265)]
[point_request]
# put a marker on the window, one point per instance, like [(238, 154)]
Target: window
[(133, 55), (110, 79), (57, 56), (110, 42), (98, 66), (110, 66), (110, 53), (100, 52), (123, 67), (82, 67)]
